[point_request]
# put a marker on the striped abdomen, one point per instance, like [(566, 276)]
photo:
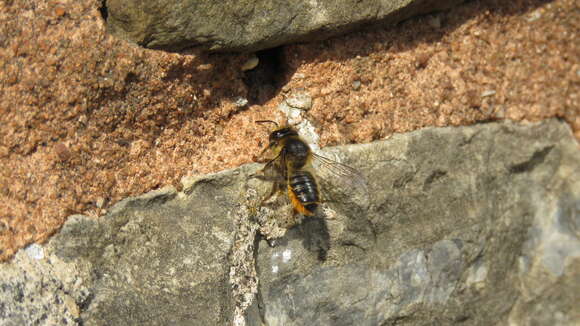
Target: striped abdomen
[(303, 192)]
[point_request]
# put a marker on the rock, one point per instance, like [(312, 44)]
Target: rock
[(251, 25), (157, 259), (251, 63), (300, 100), (475, 225), (240, 101), (488, 93), (34, 290)]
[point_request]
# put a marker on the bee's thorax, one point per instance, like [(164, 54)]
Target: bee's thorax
[(296, 152)]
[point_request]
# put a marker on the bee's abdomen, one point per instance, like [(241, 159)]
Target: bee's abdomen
[(303, 192)]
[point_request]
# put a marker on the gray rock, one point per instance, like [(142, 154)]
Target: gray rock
[(251, 25), (157, 259), (240, 101), (40, 289), (476, 225)]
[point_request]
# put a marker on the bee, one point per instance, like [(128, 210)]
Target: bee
[(296, 168)]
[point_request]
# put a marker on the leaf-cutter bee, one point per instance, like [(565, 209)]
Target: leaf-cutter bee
[(293, 167)]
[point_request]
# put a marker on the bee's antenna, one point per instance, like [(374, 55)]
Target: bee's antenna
[(268, 121)]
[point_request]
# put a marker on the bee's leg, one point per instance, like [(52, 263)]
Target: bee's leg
[(262, 154), (262, 177), (273, 192), (269, 164), (262, 170), (269, 178)]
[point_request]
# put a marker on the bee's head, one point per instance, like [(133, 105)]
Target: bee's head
[(279, 133)]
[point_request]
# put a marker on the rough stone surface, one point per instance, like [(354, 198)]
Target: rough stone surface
[(45, 291), (472, 225), (251, 25), (158, 259), (475, 225)]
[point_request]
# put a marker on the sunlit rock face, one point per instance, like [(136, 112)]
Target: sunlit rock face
[(251, 25), (473, 225)]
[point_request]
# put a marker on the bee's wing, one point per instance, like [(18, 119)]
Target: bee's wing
[(341, 175)]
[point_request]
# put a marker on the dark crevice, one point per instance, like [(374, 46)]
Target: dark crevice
[(131, 77), (103, 10), (258, 304), (267, 78), (433, 178), (536, 159), (354, 245)]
